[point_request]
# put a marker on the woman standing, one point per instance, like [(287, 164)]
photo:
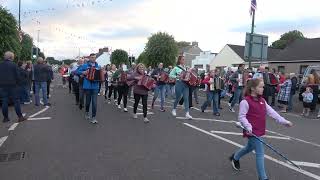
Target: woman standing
[(313, 81), (139, 92), (122, 88), (284, 93), (112, 83), (181, 87)]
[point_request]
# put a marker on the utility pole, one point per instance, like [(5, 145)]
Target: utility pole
[(38, 44), (251, 38), (19, 15)]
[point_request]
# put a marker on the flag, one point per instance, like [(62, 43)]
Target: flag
[(253, 7)]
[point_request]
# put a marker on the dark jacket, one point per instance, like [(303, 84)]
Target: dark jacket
[(41, 73), (23, 76), (50, 78), (9, 74), (294, 81), (157, 71), (234, 78)]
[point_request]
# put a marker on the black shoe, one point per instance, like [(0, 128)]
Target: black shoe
[(48, 104), (80, 106), (220, 108), (235, 164), (5, 120), (216, 114)]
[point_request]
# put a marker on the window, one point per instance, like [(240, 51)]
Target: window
[(281, 69), (303, 69)]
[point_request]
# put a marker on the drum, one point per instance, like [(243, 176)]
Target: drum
[(147, 82)]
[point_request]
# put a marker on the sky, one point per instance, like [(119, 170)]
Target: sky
[(71, 27)]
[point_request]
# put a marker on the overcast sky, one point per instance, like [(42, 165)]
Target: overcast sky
[(127, 24)]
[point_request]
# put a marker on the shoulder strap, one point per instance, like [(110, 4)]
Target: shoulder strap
[(181, 68)]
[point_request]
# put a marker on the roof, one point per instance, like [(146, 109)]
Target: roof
[(188, 48), (302, 49), (272, 52)]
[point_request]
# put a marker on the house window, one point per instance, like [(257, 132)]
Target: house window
[(281, 69), (303, 68)]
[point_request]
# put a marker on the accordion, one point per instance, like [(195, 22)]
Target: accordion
[(95, 75), (123, 77), (147, 82), (190, 78), (164, 77), (218, 84)]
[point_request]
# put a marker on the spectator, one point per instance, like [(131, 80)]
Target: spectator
[(294, 81), (9, 80), (313, 81), (41, 76), (23, 84), (307, 101), (50, 78), (284, 93)]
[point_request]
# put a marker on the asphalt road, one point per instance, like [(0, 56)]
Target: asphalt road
[(59, 144)]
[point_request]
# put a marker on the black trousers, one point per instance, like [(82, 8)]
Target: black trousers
[(112, 89), (70, 83), (75, 87), (123, 95), (48, 87), (137, 98)]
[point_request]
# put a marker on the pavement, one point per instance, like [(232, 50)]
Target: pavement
[(57, 143)]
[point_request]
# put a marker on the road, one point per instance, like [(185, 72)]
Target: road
[(58, 143)]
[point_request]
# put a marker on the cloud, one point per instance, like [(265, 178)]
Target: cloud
[(112, 34)]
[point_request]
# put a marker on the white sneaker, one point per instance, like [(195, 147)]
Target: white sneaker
[(232, 110), (119, 106), (174, 112), (188, 116), (99, 94), (146, 120), (318, 116), (94, 121), (125, 109), (135, 116), (229, 104)]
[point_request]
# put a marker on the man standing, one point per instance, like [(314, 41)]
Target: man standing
[(41, 76), (9, 80), (50, 78), (90, 87), (238, 82)]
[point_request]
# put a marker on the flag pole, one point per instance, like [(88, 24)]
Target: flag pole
[(251, 37)]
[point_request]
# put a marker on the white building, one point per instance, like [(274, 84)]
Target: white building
[(104, 59), (202, 62)]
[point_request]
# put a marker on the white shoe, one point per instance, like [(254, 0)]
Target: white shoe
[(125, 109), (188, 116), (135, 116), (26, 103), (146, 120), (229, 104), (232, 110), (99, 94), (318, 116), (94, 121), (119, 106), (174, 112)]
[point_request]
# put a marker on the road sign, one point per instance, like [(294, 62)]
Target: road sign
[(259, 47)]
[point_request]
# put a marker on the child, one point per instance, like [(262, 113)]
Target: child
[(252, 115), (307, 101), (139, 92)]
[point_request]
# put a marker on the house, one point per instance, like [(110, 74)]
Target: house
[(190, 52), (297, 56), (233, 55), (202, 62)]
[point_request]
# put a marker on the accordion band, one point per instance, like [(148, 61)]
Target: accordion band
[(190, 78), (147, 82)]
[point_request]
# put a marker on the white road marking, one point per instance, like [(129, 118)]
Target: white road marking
[(307, 164), (2, 140), (240, 134), (13, 126), (309, 174), (41, 111), (293, 138), (36, 119), (149, 113), (213, 120)]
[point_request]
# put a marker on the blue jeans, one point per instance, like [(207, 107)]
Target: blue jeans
[(10, 93), (182, 90), (257, 146), (290, 102), (43, 87), (237, 96), (24, 93), (160, 89), (91, 95), (214, 97)]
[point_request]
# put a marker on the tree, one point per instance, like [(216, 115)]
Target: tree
[(68, 61), (287, 38), (142, 58), (119, 56), (41, 54), (161, 47), (26, 47), (9, 40), (51, 60), (182, 44)]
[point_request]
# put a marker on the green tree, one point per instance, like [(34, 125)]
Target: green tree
[(26, 47), (119, 56), (142, 58), (287, 38), (161, 47), (51, 60), (68, 61), (9, 40)]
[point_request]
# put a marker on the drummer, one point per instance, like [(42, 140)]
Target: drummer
[(160, 76)]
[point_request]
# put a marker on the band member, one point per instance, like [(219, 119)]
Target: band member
[(161, 85), (121, 77), (212, 91), (181, 87), (238, 82), (139, 91), (112, 83)]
